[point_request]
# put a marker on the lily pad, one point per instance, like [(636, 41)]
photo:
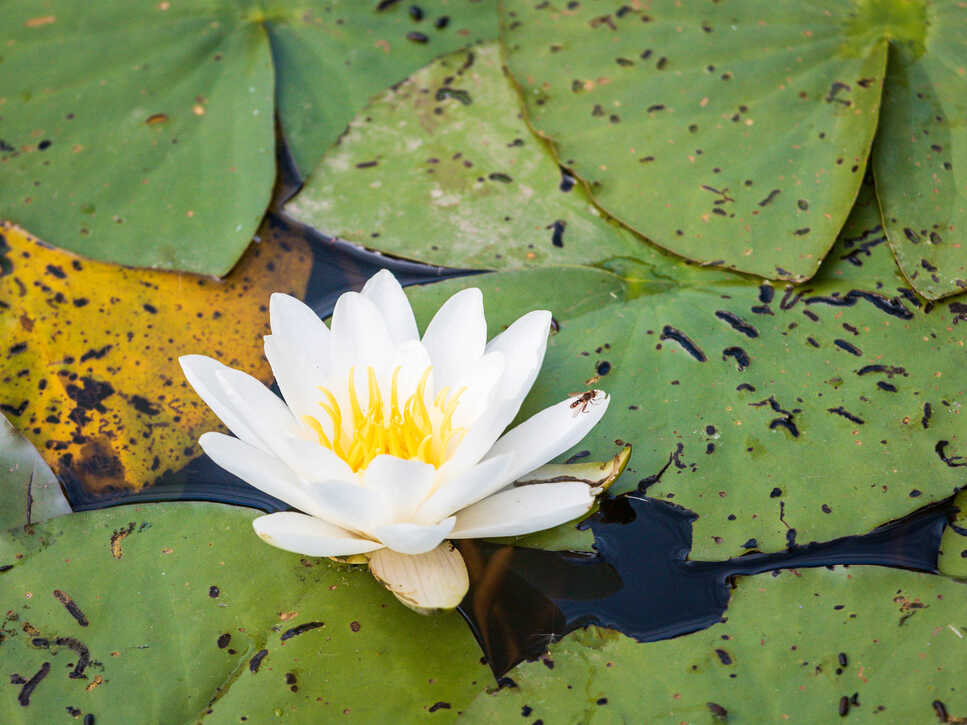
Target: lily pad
[(732, 134), (348, 51), (158, 150), (802, 647), (763, 114), (28, 488), (177, 613), (145, 136), (442, 169), (779, 415), (919, 155)]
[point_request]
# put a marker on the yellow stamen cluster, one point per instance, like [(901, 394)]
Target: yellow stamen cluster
[(412, 431)]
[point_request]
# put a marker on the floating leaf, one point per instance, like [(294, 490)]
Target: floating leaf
[(174, 613), (90, 357), (158, 150), (809, 647), (919, 156), (442, 169), (781, 416), (145, 136), (350, 51), (28, 488), (735, 134), (763, 117)]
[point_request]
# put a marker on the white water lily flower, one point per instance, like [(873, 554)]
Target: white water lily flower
[(391, 444)]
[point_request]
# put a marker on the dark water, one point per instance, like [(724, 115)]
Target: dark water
[(520, 600)]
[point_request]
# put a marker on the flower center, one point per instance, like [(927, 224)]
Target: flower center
[(414, 431)]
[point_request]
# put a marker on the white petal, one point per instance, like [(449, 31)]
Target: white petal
[(550, 432), (313, 462), (360, 337), (348, 505), (474, 485), (426, 583), (296, 376), (412, 359), (480, 384), (523, 510), (385, 292), (404, 485), (258, 468), (523, 345), (311, 536), (456, 336), (268, 417), (298, 329), (413, 538), (200, 372), (478, 440)]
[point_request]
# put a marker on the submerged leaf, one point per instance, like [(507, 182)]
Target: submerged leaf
[(442, 169)]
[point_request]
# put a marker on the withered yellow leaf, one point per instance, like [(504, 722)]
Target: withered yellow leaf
[(89, 366)]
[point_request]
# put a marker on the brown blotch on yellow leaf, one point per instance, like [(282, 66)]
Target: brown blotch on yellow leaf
[(89, 356)]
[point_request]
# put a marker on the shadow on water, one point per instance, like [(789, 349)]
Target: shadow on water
[(520, 599)]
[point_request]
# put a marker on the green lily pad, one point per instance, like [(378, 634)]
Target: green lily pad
[(442, 169), (145, 137), (802, 647), (763, 115), (919, 155), (158, 150), (731, 134), (785, 415), (28, 488), (175, 613), (331, 58)]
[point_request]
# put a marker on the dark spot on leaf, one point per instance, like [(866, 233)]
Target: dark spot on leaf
[(840, 410), (301, 629), (256, 661), (670, 333), (770, 198), (851, 349)]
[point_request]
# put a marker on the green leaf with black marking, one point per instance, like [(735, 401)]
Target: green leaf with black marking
[(780, 415), (177, 613), (920, 154), (735, 134), (865, 644), (146, 135), (442, 169)]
